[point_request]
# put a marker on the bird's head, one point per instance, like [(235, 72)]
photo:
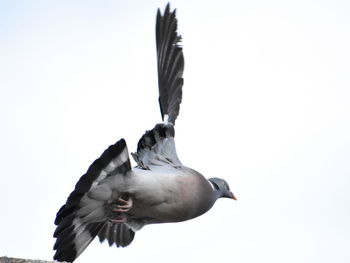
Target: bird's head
[(221, 187)]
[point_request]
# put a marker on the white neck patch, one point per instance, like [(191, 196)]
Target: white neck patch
[(212, 185)]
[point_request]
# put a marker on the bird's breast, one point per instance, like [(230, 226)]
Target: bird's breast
[(170, 196)]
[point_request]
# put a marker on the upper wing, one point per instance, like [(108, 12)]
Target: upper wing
[(157, 148), (170, 64), (84, 216)]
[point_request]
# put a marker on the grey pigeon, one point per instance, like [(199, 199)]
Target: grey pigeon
[(113, 200)]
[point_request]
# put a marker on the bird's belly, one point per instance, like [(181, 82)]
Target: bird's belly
[(161, 213), (171, 202)]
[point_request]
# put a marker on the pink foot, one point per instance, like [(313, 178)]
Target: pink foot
[(122, 206), (118, 209)]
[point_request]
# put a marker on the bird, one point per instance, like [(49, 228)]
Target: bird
[(113, 200)]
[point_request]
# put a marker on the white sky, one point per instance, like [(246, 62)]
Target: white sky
[(265, 106)]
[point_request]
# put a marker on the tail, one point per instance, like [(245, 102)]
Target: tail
[(119, 234), (170, 65)]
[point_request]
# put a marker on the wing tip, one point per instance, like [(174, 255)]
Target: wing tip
[(170, 63)]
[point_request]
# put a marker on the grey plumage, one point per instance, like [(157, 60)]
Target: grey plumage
[(157, 146), (113, 200), (222, 189), (84, 214)]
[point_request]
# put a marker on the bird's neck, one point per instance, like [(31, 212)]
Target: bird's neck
[(216, 192)]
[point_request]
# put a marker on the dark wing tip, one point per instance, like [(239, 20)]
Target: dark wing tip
[(170, 64)]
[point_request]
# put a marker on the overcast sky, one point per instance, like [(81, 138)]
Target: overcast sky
[(266, 106)]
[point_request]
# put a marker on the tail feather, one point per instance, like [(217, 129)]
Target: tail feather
[(170, 64), (119, 234)]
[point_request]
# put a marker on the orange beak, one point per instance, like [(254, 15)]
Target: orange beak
[(233, 196)]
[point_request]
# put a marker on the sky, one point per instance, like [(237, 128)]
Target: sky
[(265, 106)]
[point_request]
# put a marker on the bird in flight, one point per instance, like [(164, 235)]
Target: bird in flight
[(112, 200)]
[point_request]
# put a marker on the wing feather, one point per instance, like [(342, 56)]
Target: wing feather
[(83, 215), (170, 64)]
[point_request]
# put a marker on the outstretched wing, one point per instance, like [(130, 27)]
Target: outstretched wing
[(84, 215), (157, 147), (170, 64)]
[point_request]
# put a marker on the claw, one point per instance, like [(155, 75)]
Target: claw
[(117, 210), (122, 206)]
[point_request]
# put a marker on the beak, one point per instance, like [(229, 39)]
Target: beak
[(232, 196)]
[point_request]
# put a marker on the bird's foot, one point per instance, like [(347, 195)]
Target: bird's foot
[(122, 206), (118, 210)]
